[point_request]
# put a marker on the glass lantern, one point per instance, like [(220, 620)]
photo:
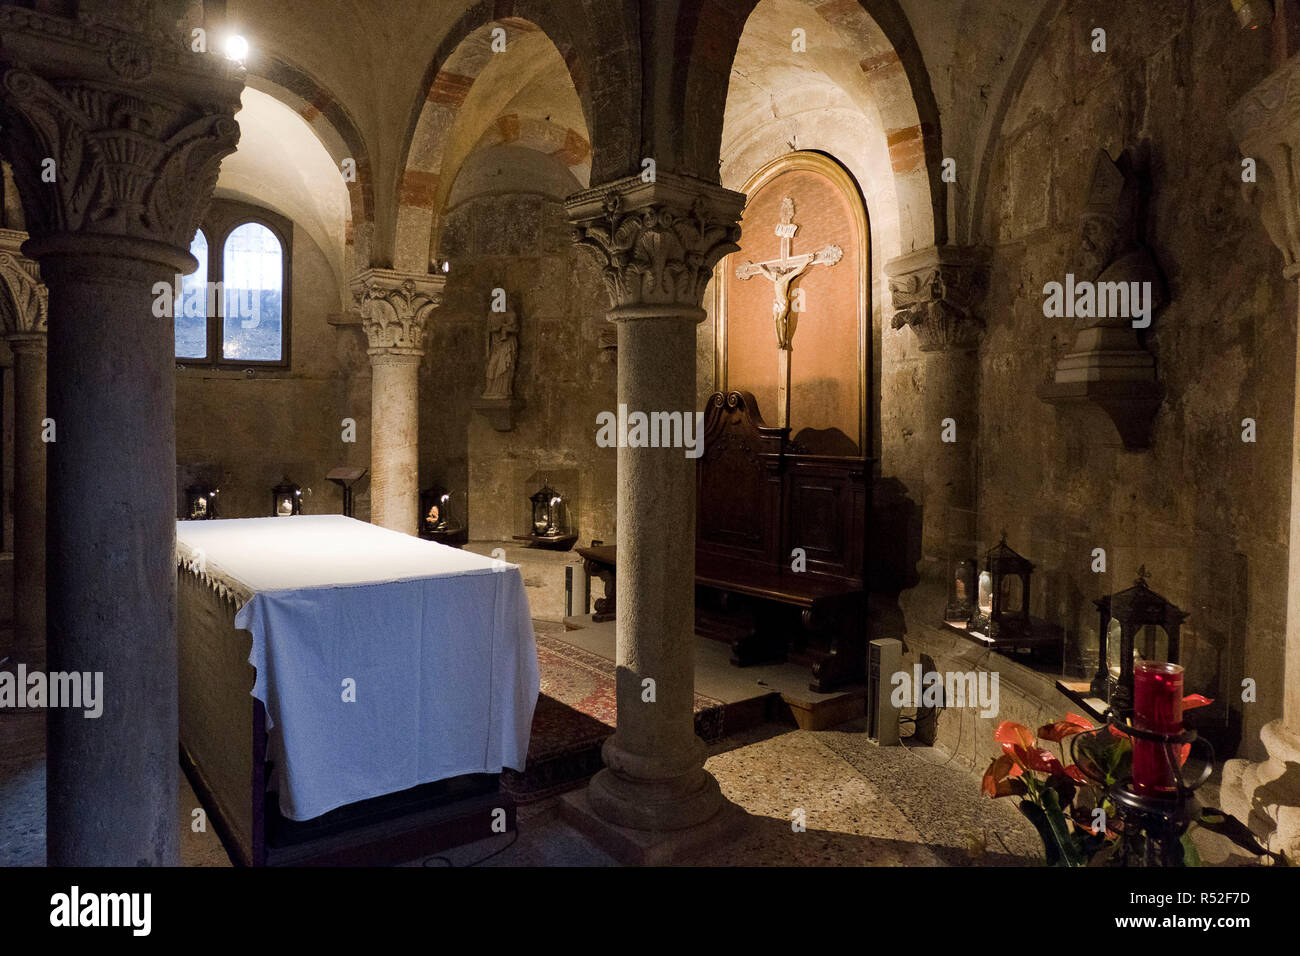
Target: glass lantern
[(440, 520), (286, 499), (201, 502), (548, 513), (961, 591), (1002, 594), (1137, 624), (435, 509)]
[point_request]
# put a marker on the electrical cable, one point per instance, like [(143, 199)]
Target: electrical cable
[(451, 865)]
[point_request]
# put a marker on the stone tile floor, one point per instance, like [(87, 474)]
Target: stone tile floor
[(862, 805)]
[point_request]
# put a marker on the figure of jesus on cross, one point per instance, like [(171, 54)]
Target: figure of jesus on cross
[(782, 273)]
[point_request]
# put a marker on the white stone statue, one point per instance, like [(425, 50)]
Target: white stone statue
[(503, 356)]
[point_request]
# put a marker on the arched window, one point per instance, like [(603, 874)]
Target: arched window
[(252, 267), (190, 309), (234, 309)]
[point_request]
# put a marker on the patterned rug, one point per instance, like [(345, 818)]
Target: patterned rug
[(576, 711)]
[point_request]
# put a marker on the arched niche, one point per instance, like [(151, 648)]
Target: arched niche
[(830, 404)]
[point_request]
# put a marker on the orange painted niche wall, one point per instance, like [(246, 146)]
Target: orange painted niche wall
[(828, 360)]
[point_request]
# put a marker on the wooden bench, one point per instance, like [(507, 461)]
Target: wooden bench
[(762, 498), (769, 615), (758, 611)]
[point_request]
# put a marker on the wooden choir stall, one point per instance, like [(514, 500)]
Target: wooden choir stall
[(780, 545)]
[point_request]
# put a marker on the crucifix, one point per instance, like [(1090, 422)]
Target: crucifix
[(782, 273)]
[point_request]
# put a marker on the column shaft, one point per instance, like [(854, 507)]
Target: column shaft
[(394, 441), (657, 243), (654, 777), (951, 392), (111, 780), (29, 497)]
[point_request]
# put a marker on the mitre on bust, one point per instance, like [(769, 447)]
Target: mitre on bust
[(1110, 249)]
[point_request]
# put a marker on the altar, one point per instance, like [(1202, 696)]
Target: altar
[(333, 663)]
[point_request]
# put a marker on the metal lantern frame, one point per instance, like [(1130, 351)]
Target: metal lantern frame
[(1135, 609), (286, 489), (205, 492), (1000, 562), (547, 515)]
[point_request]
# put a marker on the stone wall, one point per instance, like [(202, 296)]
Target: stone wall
[(1204, 512), (247, 431), (514, 235)]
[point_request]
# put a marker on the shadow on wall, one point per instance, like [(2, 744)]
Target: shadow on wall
[(894, 552)]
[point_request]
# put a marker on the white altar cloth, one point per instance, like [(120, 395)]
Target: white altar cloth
[(438, 641)]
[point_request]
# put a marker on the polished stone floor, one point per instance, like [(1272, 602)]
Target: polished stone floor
[(860, 805)]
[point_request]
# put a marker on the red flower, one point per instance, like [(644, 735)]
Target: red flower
[(999, 779), (1019, 744), (1077, 775), (1058, 731), (1009, 732)]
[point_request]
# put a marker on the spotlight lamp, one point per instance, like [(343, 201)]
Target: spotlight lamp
[(236, 48)]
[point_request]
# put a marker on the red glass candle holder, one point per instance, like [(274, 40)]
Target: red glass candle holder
[(1158, 708)]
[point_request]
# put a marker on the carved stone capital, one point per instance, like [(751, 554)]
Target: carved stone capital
[(937, 292), (656, 243), (1266, 123), (112, 133), (27, 309), (395, 309)]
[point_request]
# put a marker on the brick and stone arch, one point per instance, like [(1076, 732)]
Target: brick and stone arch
[(564, 143), (583, 34), (338, 132), (889, 59)]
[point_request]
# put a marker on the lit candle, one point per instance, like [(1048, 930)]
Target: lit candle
[(1157, 707), (986, 592)]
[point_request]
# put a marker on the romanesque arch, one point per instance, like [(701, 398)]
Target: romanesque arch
[(610, 98), (709, 33)]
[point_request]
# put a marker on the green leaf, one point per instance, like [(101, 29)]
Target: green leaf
[(1060, 829), (1190, 856)]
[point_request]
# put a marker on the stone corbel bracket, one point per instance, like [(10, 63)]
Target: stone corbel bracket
[(937, 293), (500, 412), (1124, 408)]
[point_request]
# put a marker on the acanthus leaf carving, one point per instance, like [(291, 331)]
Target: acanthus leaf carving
[(657, 243), (1266, 123), (136, 133), (395, 309), (125, 164), (29, 297), (938, 300)]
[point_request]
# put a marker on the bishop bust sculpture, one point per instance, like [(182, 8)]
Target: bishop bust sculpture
[(502, 355), (1110, 244)]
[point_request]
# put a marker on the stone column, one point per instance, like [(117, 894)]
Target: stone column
[(657, 244), (395, 310), (27, 342), (29, 496), (116, 140), (1267, 795), (937, 292)]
